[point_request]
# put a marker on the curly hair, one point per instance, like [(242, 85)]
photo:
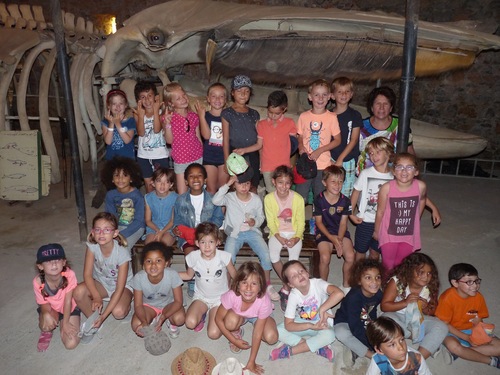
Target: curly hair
[(117, 164), (245, 270), (361, 266), (405, 273), (166, 251), (384, 91), (144, 86)]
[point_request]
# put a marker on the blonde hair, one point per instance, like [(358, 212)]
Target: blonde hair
[(382, 144), (333, 170), (342, 81), (117, 92), (318, 82), (168, 91)]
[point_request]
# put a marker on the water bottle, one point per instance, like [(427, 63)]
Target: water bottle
[(312, 225)]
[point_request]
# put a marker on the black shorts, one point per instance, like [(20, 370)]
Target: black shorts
[(363, 239), (75, 312), (148, 166)]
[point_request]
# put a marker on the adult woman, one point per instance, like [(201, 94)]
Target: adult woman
[(381, 123)]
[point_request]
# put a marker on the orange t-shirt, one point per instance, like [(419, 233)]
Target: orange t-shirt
[(457, 311), (317, 131), (275, 142)]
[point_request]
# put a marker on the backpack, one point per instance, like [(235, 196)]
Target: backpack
[(306, 167)]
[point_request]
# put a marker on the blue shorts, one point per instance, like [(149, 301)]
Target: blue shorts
[(148, 166), (363, 238), (250, 320), (463, 342)]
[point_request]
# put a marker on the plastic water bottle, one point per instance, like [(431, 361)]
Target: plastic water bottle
[(312, 225)]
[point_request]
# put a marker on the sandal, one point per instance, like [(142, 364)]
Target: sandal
[(44, 341), (238, 334)]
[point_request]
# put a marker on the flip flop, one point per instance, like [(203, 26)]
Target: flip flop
[(44, 341), (238, 334)]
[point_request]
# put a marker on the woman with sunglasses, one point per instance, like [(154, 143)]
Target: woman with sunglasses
[(182, 131)]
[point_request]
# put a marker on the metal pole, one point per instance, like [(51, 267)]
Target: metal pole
[(63, 69), (408, 73)]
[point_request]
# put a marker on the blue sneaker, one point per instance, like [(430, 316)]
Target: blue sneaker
[(283, 352), (191, 288), (326, 352)]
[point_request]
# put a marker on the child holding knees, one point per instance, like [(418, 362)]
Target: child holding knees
[(124, 200), (307, 325), (211, 131), (331, 211), (157, 292), (118, 126), (365, 196), (410, 298), (392, 356), (210, 268), (106, 272), (357, 309), (285, 216), (247, 301), (462, 307), (53, 287), (159, 207), (244, 216), (182, 131)]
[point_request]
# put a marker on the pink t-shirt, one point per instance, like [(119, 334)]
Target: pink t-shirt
[(317, 131), (401, 220), (56, 301), (261, 308), (186, 146), (275, 142)]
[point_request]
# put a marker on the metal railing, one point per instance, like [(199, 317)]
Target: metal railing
[(471, 168)]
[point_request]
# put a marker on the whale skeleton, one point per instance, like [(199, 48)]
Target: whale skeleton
[(277, 46)]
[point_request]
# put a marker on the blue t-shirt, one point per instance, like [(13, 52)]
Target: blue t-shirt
[(117, 146), (331, 214)]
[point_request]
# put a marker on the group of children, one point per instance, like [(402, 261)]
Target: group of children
[(387, 202)]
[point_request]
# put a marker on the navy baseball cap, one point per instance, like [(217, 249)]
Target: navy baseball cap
[(50, 252)]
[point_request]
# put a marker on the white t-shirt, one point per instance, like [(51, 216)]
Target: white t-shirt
[(368, 184), (210, 275), (305, 308), (197, 202), (152, 145), (106, 269)]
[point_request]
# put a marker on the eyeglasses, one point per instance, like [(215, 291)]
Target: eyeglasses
[(408, 168), (471, 282), (188, 126), (103, 230)]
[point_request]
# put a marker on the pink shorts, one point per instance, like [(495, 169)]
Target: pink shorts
[(156, 309)]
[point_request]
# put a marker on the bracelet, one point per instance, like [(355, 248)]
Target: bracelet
[(111, 129), (122, 130), (169, 126)]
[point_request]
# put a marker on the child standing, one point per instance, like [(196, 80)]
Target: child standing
[(273, 137), (401, 203), (365, 196), (118, 126), (244, 216), (122, 177), (159, 207), (182, 131), (157, 292), (308, 314), (357, 309), (247, 301), (106, 272), (192, 208), (209, 267), (331, 211), (410, 298), (393, 356), (462, 307), (350, 122), (285, 216), (316, 128), (211, 130), (152, 152), (53, 288), (239, 132)]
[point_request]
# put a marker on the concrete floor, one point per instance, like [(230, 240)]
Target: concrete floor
[(469, 233)]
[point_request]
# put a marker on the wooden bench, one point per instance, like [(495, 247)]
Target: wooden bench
[(309, 255)]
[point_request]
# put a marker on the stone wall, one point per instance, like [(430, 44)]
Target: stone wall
[(464, 100)]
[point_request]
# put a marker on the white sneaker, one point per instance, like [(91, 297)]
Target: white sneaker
[(173, 330), (273, 294), (87, 331)]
